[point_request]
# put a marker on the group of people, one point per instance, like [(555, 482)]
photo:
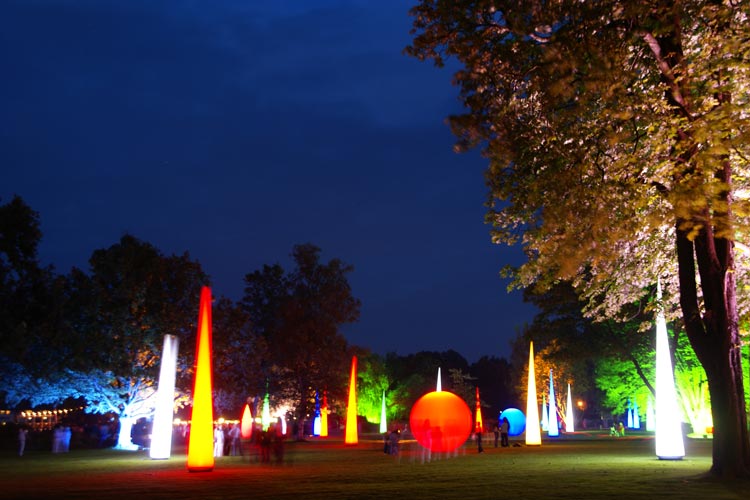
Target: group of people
[(227, 440), (501, 430)]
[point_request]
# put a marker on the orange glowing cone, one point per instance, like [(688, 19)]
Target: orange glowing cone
[(201, 442), (478, 426), (246, 424), (351, 411)]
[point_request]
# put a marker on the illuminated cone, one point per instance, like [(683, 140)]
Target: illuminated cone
[(569, 424), (265, 413), (351, 410), (439, 386), (316, 418), (668, 438), (324, 416), (246, 424), (533, 434), (201, 442), (630, 417), (383, 424), (554, 430), (161, 434), (478, 415)]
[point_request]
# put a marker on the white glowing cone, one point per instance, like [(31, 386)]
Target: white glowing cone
[(161, 433), (569, 424), (669, 444)]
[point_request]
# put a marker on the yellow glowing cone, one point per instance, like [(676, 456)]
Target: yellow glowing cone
[(201, 442), (533, 434), (324, 416), (478, 426), (351, 411)]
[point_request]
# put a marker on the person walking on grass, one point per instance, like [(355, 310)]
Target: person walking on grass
[(22, 434)]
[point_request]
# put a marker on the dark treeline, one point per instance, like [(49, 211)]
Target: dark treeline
[(95, 335)]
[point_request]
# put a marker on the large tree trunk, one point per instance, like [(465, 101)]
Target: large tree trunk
[(716, 341)]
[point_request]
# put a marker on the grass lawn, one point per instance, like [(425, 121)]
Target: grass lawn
[(576, 466)]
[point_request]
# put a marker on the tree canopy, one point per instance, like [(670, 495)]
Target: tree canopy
[(298, 313), (617, 139)]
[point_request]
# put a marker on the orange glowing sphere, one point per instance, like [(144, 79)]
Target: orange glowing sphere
[(440, 421)]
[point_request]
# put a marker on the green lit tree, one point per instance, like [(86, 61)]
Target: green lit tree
[(617, 136), (372, 383)]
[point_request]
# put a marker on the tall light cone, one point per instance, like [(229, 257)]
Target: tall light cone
[(383, 424), (630, 418), (569, 423), (533, 434), (317, 419), (201, 441), (246, 424), (265, 413), (478, 425), (161, 433), (668, 438), (439, 386), (324, 416), (554, 430), (352, 437), (545, 418)]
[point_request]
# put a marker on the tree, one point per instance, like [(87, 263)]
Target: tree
[(372, 383), (135, 295), (493, 377), (617, 139), (298, 314), (35, 339), (238, 358)]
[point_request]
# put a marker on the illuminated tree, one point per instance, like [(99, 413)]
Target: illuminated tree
[(617, 139), (135, 295), (371, 384), (414, 375), (39, 334)]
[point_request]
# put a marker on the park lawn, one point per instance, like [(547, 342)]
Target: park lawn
[(575, 466)]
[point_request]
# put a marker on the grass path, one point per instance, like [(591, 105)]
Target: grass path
[(569, 468)]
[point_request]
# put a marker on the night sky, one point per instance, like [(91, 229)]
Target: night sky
[(235, 129)]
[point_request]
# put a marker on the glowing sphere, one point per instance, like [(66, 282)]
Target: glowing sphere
[(516, 419), (440, 421)]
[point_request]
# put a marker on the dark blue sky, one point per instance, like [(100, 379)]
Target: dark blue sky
[(235, 129)]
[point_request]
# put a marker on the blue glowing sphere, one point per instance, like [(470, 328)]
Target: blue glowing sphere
[(516, 419)]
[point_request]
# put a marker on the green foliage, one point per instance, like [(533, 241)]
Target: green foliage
[(617, 136), (372, 383)]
